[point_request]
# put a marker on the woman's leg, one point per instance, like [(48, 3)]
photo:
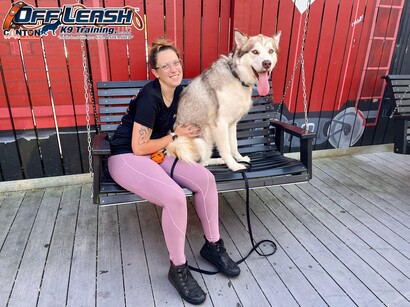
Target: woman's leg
[(144, 177), (202, 182)]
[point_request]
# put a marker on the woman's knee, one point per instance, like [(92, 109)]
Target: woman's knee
[(176, 199), (207, 178)]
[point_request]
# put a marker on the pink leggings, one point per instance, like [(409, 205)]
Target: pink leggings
[(152, 181)]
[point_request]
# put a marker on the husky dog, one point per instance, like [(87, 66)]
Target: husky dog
[(217, 99)]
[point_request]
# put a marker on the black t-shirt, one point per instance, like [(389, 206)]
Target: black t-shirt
[(149, 110)]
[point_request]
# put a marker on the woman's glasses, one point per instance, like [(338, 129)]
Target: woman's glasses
[(167, 67)]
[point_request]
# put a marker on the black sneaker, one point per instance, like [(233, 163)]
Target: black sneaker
[(216, 254), (186, 285)]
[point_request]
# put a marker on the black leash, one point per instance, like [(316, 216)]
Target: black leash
[(255, 245)]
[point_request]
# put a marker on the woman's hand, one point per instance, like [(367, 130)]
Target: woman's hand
[(191, 130)]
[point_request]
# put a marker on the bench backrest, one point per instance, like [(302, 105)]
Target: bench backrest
[(254, 130), (400, 87)]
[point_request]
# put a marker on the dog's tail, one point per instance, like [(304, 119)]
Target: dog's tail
[(185, 149)]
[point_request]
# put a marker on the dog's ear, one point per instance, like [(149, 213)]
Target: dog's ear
[(240, 38), (276, 38)]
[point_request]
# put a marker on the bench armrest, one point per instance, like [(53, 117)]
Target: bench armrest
[(101, 145), (306, 138), (293, 130)]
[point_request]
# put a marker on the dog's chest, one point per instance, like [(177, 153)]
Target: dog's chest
[(232, 107)]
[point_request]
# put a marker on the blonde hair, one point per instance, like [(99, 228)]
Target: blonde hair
[(157, 46)]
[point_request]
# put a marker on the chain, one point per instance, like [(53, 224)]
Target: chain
[(90, 87), (301, 61), (401, 100), (87, 108)]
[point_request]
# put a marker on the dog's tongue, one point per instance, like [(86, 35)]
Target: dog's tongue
[(263, 84)]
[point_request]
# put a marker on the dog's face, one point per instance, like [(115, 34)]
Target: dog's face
[(259, 54)]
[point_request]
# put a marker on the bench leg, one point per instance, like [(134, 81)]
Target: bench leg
[(97, 167), (400, 136), (306, 154)]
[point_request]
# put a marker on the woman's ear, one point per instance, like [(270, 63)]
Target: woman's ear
[(154, 71)]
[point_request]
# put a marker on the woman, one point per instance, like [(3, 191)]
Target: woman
[(146, 129)]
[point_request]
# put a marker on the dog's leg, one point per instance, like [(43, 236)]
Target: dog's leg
[(233, 142), (221, 137), (204, 146)]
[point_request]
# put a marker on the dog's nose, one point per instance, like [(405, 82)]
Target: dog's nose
[(266, 64)]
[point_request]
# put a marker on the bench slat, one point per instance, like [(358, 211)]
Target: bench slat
[(401, 96), (121, 92), (114, 101)]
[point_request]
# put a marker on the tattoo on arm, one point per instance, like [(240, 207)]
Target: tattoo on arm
[(144, 135)]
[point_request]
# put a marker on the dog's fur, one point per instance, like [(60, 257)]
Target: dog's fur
[(217, 99)]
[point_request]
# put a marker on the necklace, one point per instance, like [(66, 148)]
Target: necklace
[(169, 101)]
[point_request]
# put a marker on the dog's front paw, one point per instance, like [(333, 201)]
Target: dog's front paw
[(236, 167), (244, 159)]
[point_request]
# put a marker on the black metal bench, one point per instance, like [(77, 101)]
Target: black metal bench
[(398, 87), (259, 136)]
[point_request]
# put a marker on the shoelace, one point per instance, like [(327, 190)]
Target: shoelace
[(186, 276)]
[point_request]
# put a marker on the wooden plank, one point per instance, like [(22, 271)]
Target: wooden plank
[(76, 77), (400, 161), (314, 37), (225, 39), (387, 174), (220, 289), (155, 26), (339, 208), (269, 18), (136, 272), (209, 33), (9, 206), (307, 281), (117, 50), (267, 269), (82, 287), (378, 185), (30, 273), (325, 48), (355, 183), (174, 11), (136, 46), (12, 250), (61, 90), (354, 59), (192, 34), (109, 265), (397, 163), (390, 274), (54, 286), (157, 257), (41, 103), (9, 158), (331, 244), (2, 197), (379, 286), (97, 52), (351, 203), (21, 112)]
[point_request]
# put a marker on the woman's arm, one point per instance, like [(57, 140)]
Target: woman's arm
[(143, 145), (141, 141)]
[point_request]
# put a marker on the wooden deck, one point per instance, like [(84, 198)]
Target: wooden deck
[(343, 240)]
